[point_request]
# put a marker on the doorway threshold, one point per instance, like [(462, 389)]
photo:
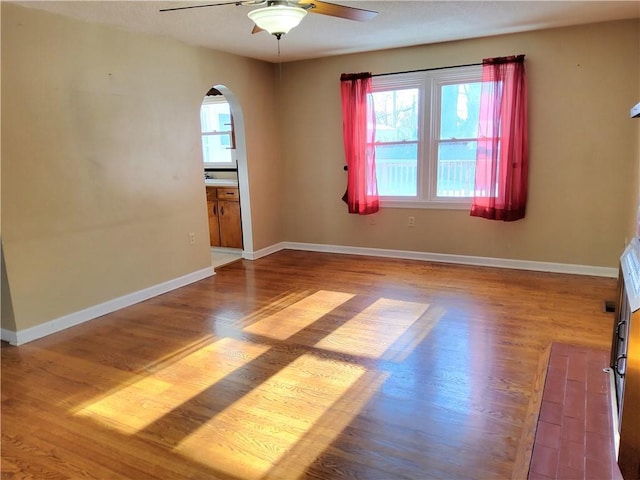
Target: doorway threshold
[(223, 256)]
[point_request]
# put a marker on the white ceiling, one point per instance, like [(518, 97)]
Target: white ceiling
[(398, 24)]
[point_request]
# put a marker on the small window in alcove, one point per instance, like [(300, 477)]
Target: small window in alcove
[(218, 142)]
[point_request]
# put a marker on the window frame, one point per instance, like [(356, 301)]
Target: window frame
[(210, 100), (429, 85)]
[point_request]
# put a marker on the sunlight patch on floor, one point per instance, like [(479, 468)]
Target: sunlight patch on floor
[(290, 320), (293, 416), (329, 427), (286, 421), (373, 331), (139, 404)]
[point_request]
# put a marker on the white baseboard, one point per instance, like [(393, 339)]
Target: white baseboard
[(263, 252), (29, 334), (458, 259)]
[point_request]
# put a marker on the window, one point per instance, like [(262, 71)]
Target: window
[(217, 133), (426, 137)]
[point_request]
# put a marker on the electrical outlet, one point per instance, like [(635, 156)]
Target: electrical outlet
[(412, 222), (192, 238)]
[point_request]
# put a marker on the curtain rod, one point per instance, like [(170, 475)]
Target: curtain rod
[(426, 69)]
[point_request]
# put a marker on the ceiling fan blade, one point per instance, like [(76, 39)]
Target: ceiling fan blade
[(350, 13), (237, 3), (256, 29), (199, 6)]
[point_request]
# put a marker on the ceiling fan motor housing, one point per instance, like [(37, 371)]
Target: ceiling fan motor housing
[(278, 18)]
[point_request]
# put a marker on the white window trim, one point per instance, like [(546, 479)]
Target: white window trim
[(210, 100), (428, 82)]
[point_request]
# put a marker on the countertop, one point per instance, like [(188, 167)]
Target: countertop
[(220, 182)]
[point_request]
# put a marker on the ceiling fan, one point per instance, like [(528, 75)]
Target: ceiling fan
[(278, 17)]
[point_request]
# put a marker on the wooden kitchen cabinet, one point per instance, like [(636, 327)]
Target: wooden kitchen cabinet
[(214, 224), (225, 225)]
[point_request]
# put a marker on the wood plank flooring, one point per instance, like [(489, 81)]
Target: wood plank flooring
[(300, 365)]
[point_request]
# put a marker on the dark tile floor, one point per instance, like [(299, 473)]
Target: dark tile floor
[(574, 436)]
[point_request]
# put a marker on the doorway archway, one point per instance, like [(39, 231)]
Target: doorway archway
[(242, 170)]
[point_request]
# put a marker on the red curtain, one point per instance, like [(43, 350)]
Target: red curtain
[(359, 131), (503, 151)]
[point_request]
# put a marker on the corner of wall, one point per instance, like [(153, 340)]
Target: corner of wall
[(7, 317)]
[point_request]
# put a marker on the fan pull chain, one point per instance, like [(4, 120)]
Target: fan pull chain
[(279, 62)]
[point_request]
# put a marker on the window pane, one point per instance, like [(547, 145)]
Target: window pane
[(215, 148), (397, 169), (456, 169), (396, 142), (459, 110), (215, 117), (396, 115)]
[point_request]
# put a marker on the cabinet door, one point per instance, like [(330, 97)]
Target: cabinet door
[(230, 224), (214, 229)]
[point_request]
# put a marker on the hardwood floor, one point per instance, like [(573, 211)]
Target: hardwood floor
[(300, 365)]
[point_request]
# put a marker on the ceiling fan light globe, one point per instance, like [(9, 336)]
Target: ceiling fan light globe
[(277, 19)]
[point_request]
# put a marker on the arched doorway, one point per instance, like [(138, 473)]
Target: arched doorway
[(239, 161)]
